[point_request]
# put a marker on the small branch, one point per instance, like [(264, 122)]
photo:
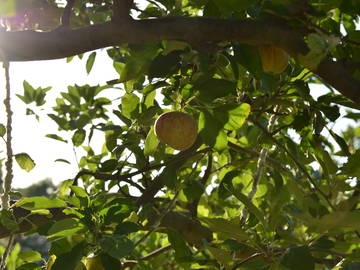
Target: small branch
[(105, 176), (5, 198), (253, 256), (157, 222), (252, 152), (65, 18), (261, 163), (7, 251), (155, 253)]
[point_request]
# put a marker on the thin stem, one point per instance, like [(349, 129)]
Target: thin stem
[(5, 198), (6, 252), (261, 162), (159, 219), (253, 256), (156, 253)]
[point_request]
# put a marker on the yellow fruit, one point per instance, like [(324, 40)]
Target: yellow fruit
[(274, 60), (177, 129), (94, 263)]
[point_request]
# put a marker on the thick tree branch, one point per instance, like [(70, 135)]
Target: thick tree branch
[(61, 43)]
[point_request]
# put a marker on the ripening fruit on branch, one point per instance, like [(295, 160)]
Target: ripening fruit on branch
[(274, 60), (177, 129)]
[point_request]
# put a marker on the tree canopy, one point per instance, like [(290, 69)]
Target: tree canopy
[(268, 183)]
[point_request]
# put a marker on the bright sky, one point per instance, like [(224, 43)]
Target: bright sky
[(28, 133)]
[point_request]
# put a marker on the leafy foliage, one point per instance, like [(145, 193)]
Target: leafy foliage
[(138, 203)]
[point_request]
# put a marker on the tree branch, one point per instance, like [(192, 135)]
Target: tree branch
[(32, 45)]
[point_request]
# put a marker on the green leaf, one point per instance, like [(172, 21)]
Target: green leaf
[(248, 204), (8, 220), (78, 137), (229, 228), (90, 62), (351, 167), (233, 116), (30, 255), (182, 251), (109, 165), (56, 137), (318, 48), (2, 130), (212, 131), (69, 260), (212, 89), (64, 228), (339, 221), (164, 65), (81, 194), (352, 266), (249, 58), (222, 255), (127, 228), (169, 176), (62, 160), (117, 246), (130, 105), (151, 143), (25, 161), (298, 258), (62, 123), (34, 203), (29, 266)]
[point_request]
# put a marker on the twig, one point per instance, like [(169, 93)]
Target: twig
[(105, 176), (65, 18), (261, 163), (5, 198), (155, 253), (253, 256), (7, 251), (157, 222)]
